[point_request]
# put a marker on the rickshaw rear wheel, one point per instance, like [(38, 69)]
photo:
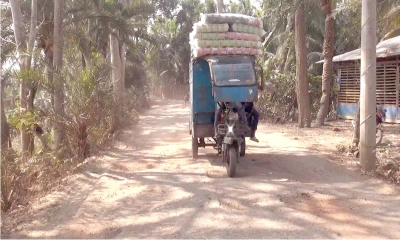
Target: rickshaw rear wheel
[(195, 147), (232, 161)]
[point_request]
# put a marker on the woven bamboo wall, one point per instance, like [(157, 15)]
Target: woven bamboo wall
[(349, 84), (387, 83)]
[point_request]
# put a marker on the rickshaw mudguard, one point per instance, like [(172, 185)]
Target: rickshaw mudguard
[(235, 93)]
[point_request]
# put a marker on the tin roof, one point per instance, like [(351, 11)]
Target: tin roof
[(387, 48)]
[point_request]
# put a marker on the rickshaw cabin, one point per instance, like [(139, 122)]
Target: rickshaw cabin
[(231, 79)]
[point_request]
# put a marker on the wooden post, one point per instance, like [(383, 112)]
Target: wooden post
[(368, 85)]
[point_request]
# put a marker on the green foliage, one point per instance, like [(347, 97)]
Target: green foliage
[(89, 104), (314, 88), (279, 97), (242, 6), (170, 54), (21, 119), (29, 75), (21, 180)]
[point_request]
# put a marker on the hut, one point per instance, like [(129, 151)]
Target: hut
[(347, 68)]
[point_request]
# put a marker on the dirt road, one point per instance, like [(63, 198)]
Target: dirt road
[(148, 186)]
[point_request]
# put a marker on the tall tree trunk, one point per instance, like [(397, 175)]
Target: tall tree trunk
[(57, 65), (117, 70), (220, 6), (32, 31), (303, 96), (48, 61), (46, 39), (287, 44), (84, 44), (24, 52), (32, 86), (328, 64), (123, 62), (5, 128), (289, 54)]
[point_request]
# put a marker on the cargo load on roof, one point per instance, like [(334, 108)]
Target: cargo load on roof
[(226, 34)]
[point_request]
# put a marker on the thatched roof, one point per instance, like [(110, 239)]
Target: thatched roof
[(387, 48)]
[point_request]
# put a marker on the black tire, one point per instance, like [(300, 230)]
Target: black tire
[(379, 136), (243, 148), (195, 148), (231, 161)]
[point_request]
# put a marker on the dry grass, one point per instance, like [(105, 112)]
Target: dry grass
[(22, 180)]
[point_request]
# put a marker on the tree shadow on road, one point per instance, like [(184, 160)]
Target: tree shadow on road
[(153, 189)]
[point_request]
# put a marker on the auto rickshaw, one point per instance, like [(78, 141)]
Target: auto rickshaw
[(216, 79)]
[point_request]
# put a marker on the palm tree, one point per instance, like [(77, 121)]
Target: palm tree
[(170, 54), (5, 128), (389, 18), (242, 6), (329, 37), (303, 97), (57, 65), (220, 6), (24, 49)]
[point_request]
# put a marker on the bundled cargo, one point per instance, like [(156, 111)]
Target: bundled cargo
[(248, 29), (224, 36), (231, 18), (226, 33), (225, 43), (204, 27)]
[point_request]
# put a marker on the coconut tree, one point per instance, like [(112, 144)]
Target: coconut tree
[(24, 49), (57, 65), (329, 37), (389, 18), (303, 97)]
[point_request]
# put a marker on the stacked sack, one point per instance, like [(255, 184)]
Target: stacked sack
[(226, 33)]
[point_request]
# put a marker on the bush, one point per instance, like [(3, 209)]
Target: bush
[(89, 106), (89, 120), (22, 179), (279, 98)]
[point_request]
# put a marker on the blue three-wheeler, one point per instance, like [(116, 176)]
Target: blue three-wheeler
[(219, 84)]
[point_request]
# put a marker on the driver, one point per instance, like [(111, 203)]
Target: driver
[(220, 107), (252, 118)]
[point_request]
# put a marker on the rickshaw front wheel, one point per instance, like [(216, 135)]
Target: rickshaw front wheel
[(232, 161), (243, 147)]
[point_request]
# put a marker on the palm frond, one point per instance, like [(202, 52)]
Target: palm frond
[(311, 40), (394, 12), (391, 34)]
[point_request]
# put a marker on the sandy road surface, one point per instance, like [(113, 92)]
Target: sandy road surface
[(148, 186)]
